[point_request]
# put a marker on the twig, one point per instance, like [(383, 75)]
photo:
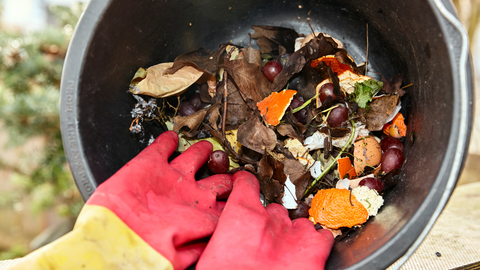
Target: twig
[(408, 85), (366, 57), (305, 104), (225, 94), (333, 162), (350, 198), (313, 31)]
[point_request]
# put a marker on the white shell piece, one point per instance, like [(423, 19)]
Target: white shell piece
[(298, 43), (316, 141), (316, 169), (289, 199), (343, 184)]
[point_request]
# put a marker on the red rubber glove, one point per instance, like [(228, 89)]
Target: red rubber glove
[(249, 236), (162, 203)]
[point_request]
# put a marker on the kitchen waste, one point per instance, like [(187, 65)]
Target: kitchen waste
[(323, 138)]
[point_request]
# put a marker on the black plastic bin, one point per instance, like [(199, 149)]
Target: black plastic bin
[(423, 40)]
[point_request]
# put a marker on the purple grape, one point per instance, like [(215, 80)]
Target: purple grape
[(337, 116), (300, 212), (392, 159), (186, 109), (302, 114), (327, 91), (197, 102), (390, 142), (272, 69), (218, 162), (372, 183)]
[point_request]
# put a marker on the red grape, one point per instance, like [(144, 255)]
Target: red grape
[(186, 109), (302, 114), (218, 162), (392, 159), (337, 116), (327, 91), (197, 102), (372, 183), (390, 142), (300, 212), (271, 69)]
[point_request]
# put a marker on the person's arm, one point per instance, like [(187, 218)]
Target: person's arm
[(151, 214)]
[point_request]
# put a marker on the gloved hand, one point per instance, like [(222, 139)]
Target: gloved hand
[(249, 236), (148, 215)]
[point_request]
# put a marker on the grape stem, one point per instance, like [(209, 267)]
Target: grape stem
[(333, 162), (305, 104)]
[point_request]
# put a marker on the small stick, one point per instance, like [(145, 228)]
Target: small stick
[(225, 94), (350, 198), (313, 31), (366, 58), (408, 85)]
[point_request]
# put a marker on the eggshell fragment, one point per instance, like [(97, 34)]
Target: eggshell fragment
[(367, 151)]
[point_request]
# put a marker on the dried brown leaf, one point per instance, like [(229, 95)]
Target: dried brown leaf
[(213, 115), (298, 175), (237, 109), (252, 56), (380, 109), (249, 79), (313, 49), (188, 125), (256, 136), (272, 189), (280, 35), (199, 58), (157, 85), (393, 85), (285, 129)]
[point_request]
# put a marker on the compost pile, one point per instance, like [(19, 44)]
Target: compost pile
[(322, 138)]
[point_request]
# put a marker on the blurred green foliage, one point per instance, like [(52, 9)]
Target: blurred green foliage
[(30, 72)]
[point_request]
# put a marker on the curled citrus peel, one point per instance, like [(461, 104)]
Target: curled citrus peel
[(337, 208), (345, 168), (332, 62), (274, 106), (397, 127)]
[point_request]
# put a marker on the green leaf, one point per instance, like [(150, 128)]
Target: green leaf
[(364, 92)]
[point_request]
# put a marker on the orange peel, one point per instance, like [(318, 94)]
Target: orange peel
[(345, 168), (274, 106), (332, 209), (397, 127), (333, 62)]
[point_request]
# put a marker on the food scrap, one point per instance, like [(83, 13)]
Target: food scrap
[(320, 134)]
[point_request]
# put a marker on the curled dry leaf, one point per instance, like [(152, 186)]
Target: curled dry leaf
[(282, 36), (380, 110), (285, 129), (393, 85), (313, 49), (213, 115), (249, 79), (157, 85), (199, 58), (252, 55), (188, 125), (267, 171), (298, 175), (256, 136), (237, 112)]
